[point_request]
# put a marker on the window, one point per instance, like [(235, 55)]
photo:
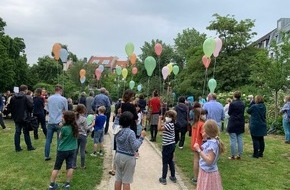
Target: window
[(96, 61), (106, 62)]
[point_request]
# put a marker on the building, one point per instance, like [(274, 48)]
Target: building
[(108, 62)]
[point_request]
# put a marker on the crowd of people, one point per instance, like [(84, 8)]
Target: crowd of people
[(202, 119)]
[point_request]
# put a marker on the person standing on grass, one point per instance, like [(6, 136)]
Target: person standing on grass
[(286, 122), (168, 145), (127, 144), (236, 125), (209, 176), (258, 126), (56, 104), (38, 110), (66, 150), (226, 110), (83, 127), (100, 123), (196, 137), (20, 107), (1, 110), (89, 101), (154, 106)]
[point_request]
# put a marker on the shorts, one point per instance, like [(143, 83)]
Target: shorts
[(125, 168), (68, 156), (99, 136)]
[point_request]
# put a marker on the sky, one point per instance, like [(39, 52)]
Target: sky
[(104, 27)]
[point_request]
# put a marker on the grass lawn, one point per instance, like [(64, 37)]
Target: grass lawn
[(270, 172), (28, 170)]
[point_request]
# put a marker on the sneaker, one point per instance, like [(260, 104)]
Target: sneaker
[(66, 186), (94, 154), (101, 153), (173, 179), (181, 147), (194, 181), (162, 181), (232, 158), (53, 187), (19, 150), (47, 158), (32, 148), (238, 157)]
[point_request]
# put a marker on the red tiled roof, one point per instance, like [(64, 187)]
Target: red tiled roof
[(122, 64), (108, 62)]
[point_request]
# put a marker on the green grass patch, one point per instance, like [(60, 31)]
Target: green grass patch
[(270, 172), (28, 170)]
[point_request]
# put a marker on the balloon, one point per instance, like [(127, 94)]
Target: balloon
[(98, 73), (63, 55), (158, 49), (131, 84), (208, 46), (218, 46), (134, 70), (56, 50), (124, 73), (165, 72), (129, 48), (170, 66), (205, 61), (150, 64), (101, 67), (82, 73), (82, 79), (212, 85), (139, 87), (67, 65), (175, 69), (133, 58), (118, 70)]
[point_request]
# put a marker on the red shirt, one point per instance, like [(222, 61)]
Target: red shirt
[(154, 104), (196, 134)]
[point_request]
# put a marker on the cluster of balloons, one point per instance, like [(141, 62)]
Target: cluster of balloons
[(59, 52), (82, 76), (166, 70), (99, 71)]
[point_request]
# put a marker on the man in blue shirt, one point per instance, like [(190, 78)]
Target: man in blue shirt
[(215, 110), (56, 104)]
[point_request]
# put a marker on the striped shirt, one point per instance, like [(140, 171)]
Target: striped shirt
[(168, 136)]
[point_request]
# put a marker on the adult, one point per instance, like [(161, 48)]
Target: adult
[(38, 111), (20, 107), (108, 112), (142, 103), (226, 110), (154, 111), (251, 100), (201, 100), (215, 110), (56, 105), (286, 122), (127, 105), (89, 101), (236, 125), (102, 100), (6, 110), (258, 126), (127, 145), (181, 122), (1, 110), (83, 99)]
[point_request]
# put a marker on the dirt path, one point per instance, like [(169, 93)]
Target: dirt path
[(147, 171)]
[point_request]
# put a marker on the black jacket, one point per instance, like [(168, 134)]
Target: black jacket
[(20, 107), (237, 119), (182, 115)]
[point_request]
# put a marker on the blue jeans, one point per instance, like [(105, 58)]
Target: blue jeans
[(167, 159), (51, 128), (19, 127), (236, 139), (286, 127)]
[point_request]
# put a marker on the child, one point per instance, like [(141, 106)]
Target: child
[(196, 137), (100, 122), (66, 149), (209, 176), (138, 122), (83, 127), (168, 145)]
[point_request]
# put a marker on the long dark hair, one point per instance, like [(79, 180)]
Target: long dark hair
[(70, 119), (80, 109), (197, 114)]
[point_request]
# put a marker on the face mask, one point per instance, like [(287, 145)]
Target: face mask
[(168, 119), (203, 117)]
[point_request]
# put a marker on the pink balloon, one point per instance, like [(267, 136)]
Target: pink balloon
[(134, 70), (205, 61), (165, 72), (98, 73), (218, 46), (158, 49)]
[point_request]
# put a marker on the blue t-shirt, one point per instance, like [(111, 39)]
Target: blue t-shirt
[(211, 144), (100, 122)]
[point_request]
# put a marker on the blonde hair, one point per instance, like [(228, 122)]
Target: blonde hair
[(102, 109), (287, 98), (212, 130)]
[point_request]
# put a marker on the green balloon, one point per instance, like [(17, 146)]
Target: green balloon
[(129, 49), (175, 69), (208, 47), (150, 64), (118, 70), (212, 85), (131, 84)]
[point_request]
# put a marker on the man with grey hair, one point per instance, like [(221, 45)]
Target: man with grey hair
[(89, 101), (215, 110)]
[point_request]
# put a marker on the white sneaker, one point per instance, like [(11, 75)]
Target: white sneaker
[(94, 155)]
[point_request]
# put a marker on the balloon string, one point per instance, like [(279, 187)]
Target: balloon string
[(214, 66), (159, 75), (148, 88), (205, 78)]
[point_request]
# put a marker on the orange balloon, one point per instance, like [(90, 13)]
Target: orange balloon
[(82, 73), (133, 58), (56, 50), (206, 61)]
